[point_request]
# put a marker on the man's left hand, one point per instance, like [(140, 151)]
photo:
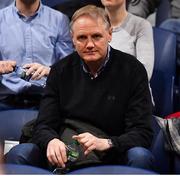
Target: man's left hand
[(90, 142)]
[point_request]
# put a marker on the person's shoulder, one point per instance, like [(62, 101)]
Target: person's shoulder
[(67, 62), (138, 21), (54, 13), (5, 13), (5, 9), (128, 64), (125, 59)]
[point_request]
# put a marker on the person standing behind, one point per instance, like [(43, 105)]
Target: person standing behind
[(35, 36), (7, 66), (131, 34), (144, 8)]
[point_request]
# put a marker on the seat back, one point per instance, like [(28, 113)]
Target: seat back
[(163, 11), (162, 81), (12, 121), (52, 3), (161, 156)]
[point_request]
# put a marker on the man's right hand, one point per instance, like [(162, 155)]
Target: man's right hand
[(56, 153), (7, 66)]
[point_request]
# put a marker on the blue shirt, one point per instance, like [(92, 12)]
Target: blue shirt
[(43, 38), (5, 3)]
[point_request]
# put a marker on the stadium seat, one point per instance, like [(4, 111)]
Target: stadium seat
[(17, 169), (52, 3), (163, 12), (162, 81), (177, 165), (162, 158), (111, 169), (12, 121), (166, 162)]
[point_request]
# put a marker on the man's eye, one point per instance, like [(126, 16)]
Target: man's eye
[(81, 38), (97, 37)]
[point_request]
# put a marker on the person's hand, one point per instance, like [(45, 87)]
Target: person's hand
[(7, 66), (56, 153), (90, 142), (36, 70)]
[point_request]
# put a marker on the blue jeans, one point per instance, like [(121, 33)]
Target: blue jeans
[(30, 154), (26, 153), (141, 158)]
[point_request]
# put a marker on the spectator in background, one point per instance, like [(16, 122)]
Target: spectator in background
[(144, 8), (131, 34), (7, 66), (5, 3), (175, 8), (35, 36), (98, 96)]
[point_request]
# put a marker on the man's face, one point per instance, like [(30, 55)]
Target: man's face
[(90, 37), (28, 2)]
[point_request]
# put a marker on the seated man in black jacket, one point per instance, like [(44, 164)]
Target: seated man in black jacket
[(98, 96)]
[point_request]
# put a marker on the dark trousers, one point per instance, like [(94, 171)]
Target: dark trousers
[(20, 101)]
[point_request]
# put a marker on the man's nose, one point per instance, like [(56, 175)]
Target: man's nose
[(90, 43)]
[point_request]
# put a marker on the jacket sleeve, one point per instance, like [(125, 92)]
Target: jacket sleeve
[(145, 47), (138, 131), (49, 120)]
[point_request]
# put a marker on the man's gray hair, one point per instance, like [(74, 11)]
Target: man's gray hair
[(92, 11)]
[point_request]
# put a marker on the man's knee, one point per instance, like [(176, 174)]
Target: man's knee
[(140, 157), (26, 153)]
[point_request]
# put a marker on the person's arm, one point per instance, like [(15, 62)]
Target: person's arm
[(49, 122), (64, 44), (145, 47), (144, 8), (49, 118), (7, 66), (138, 131)]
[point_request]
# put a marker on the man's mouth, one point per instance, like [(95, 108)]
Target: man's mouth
[(90, 52)]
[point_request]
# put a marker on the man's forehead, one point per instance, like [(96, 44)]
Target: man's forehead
[(93, 19), (88, 22)]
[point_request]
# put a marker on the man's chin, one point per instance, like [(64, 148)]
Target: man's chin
[(91, 58)]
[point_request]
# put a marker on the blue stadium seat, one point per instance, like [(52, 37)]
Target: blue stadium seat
[(111, 169), (12, 121), (162, 81), (52, 3), (17, 169), (163, 12), (162, 158), (177, 165), (166, 162)]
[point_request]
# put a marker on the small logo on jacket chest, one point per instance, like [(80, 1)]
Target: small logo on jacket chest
[(111, 97)]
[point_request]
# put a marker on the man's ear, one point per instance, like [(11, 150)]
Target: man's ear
[(110, 34), (72, 37), (71, 33)]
